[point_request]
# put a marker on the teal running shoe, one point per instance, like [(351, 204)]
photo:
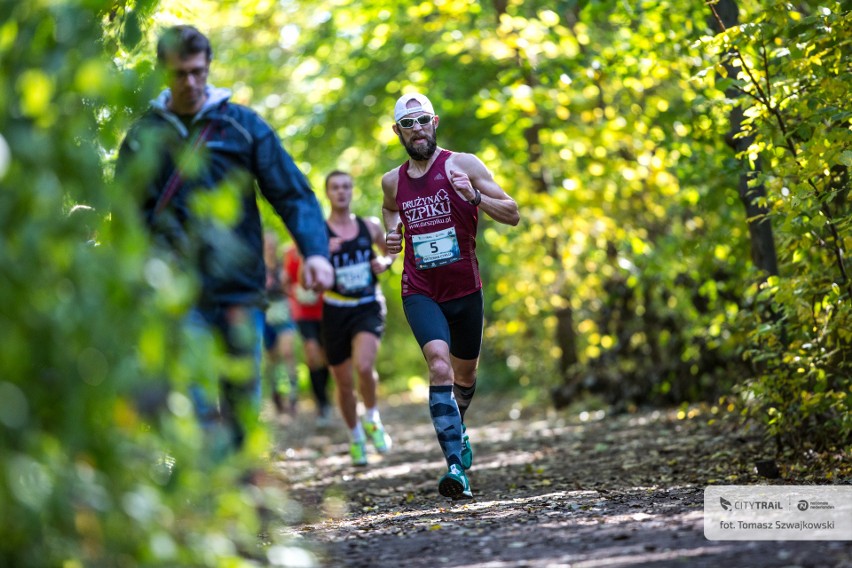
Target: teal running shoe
[(377, 435), (358, 453), (467, 450), (455, 484)]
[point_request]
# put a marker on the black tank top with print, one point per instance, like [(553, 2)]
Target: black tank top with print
[(354, 281)]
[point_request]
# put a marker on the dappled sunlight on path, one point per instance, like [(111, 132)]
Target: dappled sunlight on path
[(550, 490)]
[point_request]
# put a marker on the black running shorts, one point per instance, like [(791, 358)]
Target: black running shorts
[(457, 322), (310, 329), (340, 324)]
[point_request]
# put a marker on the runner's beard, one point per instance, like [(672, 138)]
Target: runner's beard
[(417, 154)]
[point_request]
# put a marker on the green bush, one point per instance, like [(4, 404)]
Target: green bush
[(792, 73), (101, 459)]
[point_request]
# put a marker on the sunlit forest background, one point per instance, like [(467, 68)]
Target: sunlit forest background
[(681, 170)]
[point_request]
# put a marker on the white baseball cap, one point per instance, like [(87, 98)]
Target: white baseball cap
[(400, 109)]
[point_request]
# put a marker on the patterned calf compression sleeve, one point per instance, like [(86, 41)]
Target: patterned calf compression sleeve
[(463, 397), (447, 421)]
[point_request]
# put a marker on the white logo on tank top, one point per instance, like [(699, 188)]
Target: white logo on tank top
[(426, 210)]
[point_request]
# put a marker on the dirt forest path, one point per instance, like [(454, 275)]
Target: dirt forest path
[(549, 490)]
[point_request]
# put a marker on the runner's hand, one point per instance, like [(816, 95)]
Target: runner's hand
[(317, 273), (393, 240), (462, 184), (380, 264)]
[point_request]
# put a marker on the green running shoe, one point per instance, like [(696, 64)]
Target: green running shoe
[(467, 450), (380, 439), (358, 452), (454, 484)]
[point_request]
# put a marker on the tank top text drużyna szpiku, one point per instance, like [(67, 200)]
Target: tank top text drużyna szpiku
[(440, 235)]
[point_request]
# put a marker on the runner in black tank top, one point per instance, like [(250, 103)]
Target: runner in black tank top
[(354, 281), (354, 315)]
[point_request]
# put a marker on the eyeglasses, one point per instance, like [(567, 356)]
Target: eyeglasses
[(181, 75), (422, 120)]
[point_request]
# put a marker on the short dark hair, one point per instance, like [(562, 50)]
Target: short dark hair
[(336, 173), (183, 41)]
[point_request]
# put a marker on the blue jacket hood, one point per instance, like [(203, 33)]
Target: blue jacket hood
[(215, 97)]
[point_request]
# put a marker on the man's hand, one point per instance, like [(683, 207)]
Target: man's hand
[(462, 184), (393, 240), (380, 264), (317, 273)]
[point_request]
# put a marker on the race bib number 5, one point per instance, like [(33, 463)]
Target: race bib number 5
[(435, 249)]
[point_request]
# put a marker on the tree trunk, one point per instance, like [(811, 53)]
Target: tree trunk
[(566, 338), (763, 253), (563, 394)]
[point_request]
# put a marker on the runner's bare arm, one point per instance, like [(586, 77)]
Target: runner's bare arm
[(390, 213), (468, 175), (382, 262)]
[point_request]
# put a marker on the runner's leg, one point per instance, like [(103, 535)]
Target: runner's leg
[(346, 399), (465, 318), (365, 347), (316, 362), (285, 358), (432, 331)]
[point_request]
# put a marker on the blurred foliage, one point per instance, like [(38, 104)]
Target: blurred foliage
[(629, 277), (101, 460)]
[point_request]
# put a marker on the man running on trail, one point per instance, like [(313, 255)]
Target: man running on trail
[(436, 197), (353, 316)]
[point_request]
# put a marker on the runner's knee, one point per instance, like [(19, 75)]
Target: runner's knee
[(465, 379), (440, 371), (343, 381), (365, 370)]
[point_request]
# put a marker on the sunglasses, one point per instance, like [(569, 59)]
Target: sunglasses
[(422, 120)]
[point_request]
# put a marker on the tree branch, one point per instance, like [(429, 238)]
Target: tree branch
[(764, 98)]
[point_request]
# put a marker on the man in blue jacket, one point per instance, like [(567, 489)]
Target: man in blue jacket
[(191, 142)]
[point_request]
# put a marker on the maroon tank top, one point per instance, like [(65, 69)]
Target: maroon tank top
[(440, 235)]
